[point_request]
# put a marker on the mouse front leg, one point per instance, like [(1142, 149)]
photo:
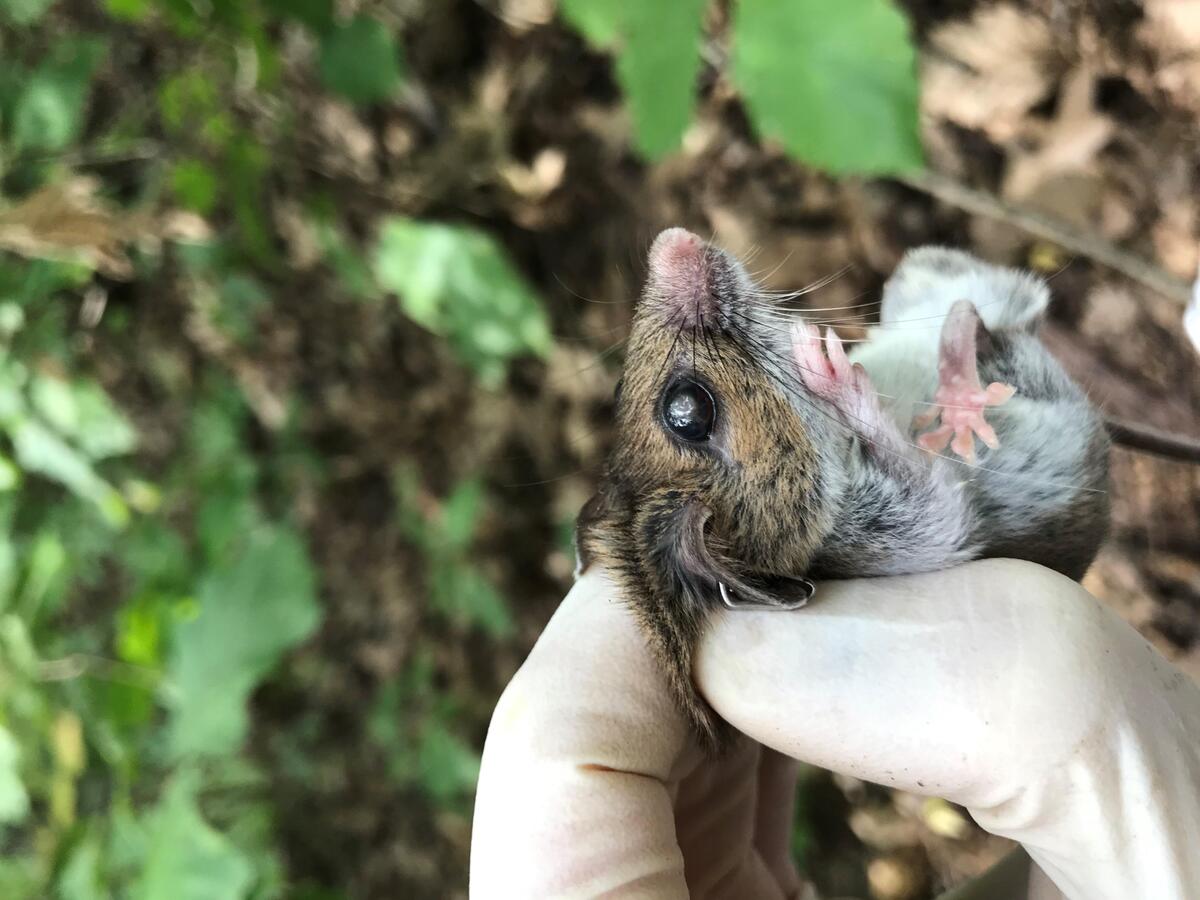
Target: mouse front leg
[(898, 513), (960, 398), (828, 374)]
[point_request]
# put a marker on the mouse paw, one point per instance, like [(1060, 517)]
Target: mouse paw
[(828, 373), (960, 398)]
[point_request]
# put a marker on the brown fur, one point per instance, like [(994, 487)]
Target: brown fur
[(671, 519), (788, 485)]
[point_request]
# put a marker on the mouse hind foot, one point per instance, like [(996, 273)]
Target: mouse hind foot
[(960, 399)]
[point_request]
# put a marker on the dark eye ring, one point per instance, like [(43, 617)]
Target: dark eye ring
[(689, 410)]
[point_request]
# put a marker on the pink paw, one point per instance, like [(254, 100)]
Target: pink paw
[(959, 402), (829, 374)]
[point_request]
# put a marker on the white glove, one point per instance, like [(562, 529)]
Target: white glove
[(998, 685)]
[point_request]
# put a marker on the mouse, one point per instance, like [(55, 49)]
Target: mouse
[(756, 455)]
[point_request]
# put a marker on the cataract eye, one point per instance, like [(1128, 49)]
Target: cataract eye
[(689, 410)]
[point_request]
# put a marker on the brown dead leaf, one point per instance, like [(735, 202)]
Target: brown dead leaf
[(68, 221), (1172, 25), (1066, 152), (1171, 29), (987, 72)]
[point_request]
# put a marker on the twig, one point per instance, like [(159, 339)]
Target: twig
[(1149, 439), (1095, 248)]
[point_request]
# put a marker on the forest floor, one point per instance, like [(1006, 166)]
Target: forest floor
[(512, 124)]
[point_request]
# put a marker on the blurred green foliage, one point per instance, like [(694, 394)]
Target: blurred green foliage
[(836, 83), (458, 283), (144, 599)]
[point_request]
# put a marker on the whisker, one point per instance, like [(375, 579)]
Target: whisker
[(579, 296)]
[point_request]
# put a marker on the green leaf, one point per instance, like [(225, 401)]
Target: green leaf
[(23, 12), (49, 112), (38, 449), (657, 44), (14, 801), (21, 878), (449, 767), (195, 184), (316, 14), (129, 10), (597, 20), (82, 412), (80, 878), (464, 594), (242, 298), (10, 475), (361, 61), (251, 612), (458, 283), (185, 858), (460, 512), (836, 83)]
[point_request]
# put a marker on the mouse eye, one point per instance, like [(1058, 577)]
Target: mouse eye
[(688, 410)]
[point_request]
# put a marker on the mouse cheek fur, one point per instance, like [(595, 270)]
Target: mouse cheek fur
[(653, 544)]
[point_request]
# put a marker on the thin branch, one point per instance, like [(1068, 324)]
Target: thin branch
[(981, 203), (1149, 439)]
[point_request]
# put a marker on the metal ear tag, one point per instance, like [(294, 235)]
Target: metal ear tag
[(729, 598)]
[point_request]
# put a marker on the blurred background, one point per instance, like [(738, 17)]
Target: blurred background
[(310, 316)]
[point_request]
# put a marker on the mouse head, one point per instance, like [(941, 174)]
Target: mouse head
[(713, 490)]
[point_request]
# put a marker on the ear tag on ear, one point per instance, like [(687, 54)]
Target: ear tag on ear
[(807, 589)]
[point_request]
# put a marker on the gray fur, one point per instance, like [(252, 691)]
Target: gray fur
[(1039, 496)]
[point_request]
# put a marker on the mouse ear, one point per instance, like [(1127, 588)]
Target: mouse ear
[(683, 548), (591, 518)]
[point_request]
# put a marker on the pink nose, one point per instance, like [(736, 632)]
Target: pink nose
[(674, 247), (679, 277)]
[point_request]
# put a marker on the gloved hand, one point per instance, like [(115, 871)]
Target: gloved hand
[(998, 685)]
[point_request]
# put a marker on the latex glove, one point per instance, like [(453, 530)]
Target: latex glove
[(998, 685)]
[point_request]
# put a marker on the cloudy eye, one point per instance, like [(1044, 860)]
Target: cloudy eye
[(688, 410)]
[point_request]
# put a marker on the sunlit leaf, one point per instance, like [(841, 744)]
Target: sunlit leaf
[(82, 412), (836, 83), (10, 475), (657, 47), (361, 61), (38, 449), (458, 282), (14, 801), (48, 113), (185, 859), (251, 612), (80, 878)]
